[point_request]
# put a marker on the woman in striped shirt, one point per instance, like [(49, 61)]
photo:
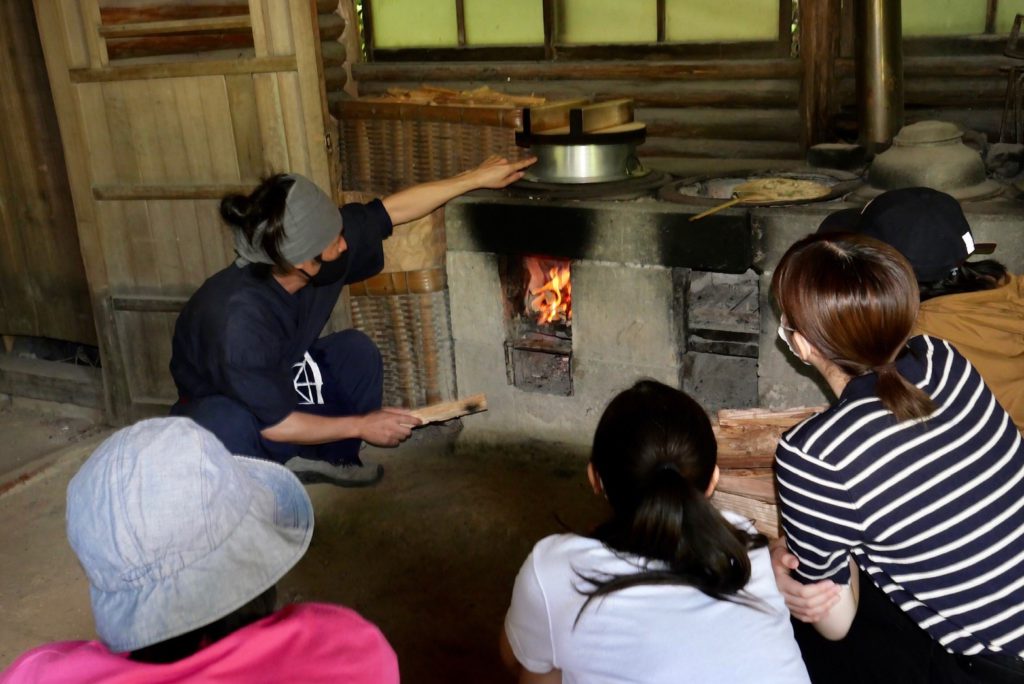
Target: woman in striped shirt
[(910, 487)]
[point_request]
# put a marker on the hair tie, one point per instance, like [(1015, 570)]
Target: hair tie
[(668, 466), (889, 367)]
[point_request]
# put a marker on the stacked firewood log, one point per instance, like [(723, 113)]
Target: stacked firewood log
[(747, 439)]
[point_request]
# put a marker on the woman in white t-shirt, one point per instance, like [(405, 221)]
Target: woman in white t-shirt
[(667, 589)]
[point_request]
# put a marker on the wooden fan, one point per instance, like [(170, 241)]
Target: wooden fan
[(770, 190)]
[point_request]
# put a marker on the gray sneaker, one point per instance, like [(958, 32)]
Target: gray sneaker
[(346, 475)]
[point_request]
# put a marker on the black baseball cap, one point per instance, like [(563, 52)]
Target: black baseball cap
[(927, 226)]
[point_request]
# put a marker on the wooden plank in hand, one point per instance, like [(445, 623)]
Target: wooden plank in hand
[(446, 410)]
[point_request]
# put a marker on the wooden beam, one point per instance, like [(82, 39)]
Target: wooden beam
[(785, 38), (819, 48), (962, 66), (368, 30), (165, 192), (990, 16), (155, 28), (138, 12), (258, 65), (550, 18), (460, 21), (510, 117), (764, 93), (66, 383), (661, 21), (148, 304), (178, 44), (667, 70)]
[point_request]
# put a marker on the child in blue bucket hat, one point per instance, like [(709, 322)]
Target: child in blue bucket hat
[(183, 544)]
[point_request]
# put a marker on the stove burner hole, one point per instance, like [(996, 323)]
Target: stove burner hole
[(538, 307)]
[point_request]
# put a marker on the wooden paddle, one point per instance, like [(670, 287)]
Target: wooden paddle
[(446, 410)]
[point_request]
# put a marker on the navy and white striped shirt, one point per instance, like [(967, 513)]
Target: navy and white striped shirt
[(932, 511)]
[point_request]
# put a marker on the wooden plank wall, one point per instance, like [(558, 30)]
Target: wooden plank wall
[(330, 23), (158, 139), (733, 108), (43, 289)]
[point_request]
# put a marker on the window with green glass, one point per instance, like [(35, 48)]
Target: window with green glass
[(593, 22), (504, 23), (943, 17), (704, 21), (1006, 11), (414, 23), (402, 24)]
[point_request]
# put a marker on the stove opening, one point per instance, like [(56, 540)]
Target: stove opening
[(538, 347)]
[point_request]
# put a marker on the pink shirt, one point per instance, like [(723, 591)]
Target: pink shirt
[(309, 642)]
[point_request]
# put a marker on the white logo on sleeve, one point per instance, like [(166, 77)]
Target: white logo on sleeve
[(308, 381)]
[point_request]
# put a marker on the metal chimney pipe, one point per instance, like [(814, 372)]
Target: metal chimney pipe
[(878, 33)]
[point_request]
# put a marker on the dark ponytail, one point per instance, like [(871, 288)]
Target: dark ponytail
[(264, 204), (970, 276), (655, 453)]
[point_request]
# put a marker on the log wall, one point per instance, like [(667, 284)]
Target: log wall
[(713, 108), (967, 89), (736, 107)]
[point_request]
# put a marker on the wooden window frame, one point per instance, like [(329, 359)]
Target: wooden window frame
[(551, 50)]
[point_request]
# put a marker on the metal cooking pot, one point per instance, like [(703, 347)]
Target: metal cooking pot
[(584, 163)]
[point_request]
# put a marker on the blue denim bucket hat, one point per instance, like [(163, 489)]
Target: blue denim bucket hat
[(174, 532)]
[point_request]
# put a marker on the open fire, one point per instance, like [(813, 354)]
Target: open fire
[(549, 290)]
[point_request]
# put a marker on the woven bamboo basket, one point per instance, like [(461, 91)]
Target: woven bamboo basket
[(406, 314), (387, 146), (404, 310)]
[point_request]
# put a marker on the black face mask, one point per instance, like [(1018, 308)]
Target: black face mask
[(330, 271)]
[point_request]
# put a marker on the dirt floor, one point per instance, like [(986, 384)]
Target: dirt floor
[(429, 554)]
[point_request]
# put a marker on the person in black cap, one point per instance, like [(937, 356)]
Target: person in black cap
[(248, 358), (976, 305)]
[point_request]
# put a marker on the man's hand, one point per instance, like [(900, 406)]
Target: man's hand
[(387, 427), (497, 172), (807, 602)]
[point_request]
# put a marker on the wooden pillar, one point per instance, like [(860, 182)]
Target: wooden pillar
[(819, 47)]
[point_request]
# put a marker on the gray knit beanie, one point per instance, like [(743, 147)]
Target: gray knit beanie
[(311, 220)]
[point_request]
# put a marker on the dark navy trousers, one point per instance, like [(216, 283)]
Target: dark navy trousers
[(352, 383)]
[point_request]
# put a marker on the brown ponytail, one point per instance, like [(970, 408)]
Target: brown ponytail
[(856, 300), (904, 400)]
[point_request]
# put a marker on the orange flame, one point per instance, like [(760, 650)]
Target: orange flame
[(552, 296)]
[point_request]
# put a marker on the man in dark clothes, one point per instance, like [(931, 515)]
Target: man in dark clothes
[(247, 358)]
